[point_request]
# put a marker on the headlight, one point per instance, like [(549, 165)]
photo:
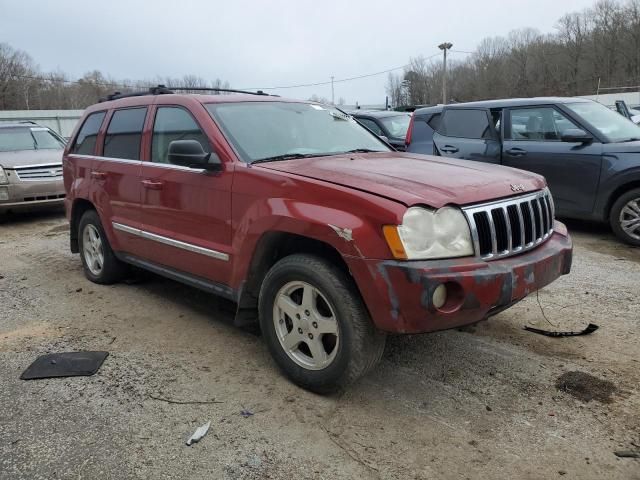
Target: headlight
[(3, 177), (426, 234)]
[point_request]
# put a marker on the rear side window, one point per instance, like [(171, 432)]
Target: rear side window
[(174, 123), (465, 124), (124, 134), (86, 140), (371, 125)]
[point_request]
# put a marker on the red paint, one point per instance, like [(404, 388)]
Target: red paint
[(231, 210)]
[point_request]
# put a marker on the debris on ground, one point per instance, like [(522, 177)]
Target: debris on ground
[(627, 454), (246, 413), (592, 327), (198, 434), (66, 364), (586, 387)]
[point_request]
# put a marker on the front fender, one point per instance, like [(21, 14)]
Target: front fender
[(618, 172)]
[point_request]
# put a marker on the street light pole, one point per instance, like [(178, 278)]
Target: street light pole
[(444, 47)]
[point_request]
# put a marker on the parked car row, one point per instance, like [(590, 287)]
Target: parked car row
[(589, 154), (314, 226)]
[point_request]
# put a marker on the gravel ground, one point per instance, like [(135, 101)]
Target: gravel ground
[(488, 401)]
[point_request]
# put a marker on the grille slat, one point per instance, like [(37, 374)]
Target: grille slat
[(507, 227), (39, 172)]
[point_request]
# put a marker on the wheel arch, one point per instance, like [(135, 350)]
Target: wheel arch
[(617, 193), (79, 207)]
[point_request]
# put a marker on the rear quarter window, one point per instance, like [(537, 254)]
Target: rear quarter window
[(465, 124), (85, 142)]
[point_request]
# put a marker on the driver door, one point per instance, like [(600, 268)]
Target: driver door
[(532, 142), (186, 211)]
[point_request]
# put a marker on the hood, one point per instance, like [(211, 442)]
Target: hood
[(415, 179), (23, 158), (622, 147)]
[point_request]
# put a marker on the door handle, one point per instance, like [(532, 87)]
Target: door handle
[(150, 184), (516, 152), (98, 175), (449, 149)]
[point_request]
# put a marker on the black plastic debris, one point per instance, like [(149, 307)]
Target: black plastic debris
[(592, 327), (627, 454), (66, 364)]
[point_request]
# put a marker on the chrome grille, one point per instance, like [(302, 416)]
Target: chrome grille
[(507, 227), (39, 172)]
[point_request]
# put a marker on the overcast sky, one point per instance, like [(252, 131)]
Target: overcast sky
[(262, 44)]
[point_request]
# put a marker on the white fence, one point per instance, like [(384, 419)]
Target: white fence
[(61, 121)]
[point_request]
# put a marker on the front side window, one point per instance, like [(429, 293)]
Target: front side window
[(86, 140), (611, 125), (174, 123), (263, 130), (124, 134), (538, 124), (465, 123), (31, 138), (371, 125), (397, 125)]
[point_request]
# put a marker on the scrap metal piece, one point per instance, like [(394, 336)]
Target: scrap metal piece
[(198, 434), (592, 327)]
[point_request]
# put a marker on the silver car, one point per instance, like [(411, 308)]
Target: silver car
[(30, 167)]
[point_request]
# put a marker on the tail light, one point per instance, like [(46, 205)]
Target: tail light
[(407, 139)]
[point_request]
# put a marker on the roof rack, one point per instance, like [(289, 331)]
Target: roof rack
[(162, 90)]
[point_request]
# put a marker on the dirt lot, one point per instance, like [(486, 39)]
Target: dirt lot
[(492, 401)]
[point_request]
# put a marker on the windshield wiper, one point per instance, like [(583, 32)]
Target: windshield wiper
[(286, 156), (633, 139), (363, 150)]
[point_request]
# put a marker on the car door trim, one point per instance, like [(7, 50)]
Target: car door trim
[(170, 241), (140, 162)]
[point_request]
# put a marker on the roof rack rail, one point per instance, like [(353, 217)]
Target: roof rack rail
[(162, 90), (159, 90), (230, 90)]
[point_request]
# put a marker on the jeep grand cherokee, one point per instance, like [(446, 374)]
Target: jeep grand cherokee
[(307, 220)]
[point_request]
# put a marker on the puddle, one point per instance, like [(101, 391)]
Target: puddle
[(586, 387)]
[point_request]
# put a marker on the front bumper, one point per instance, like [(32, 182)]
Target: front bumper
[(399, 293), (18, 195)]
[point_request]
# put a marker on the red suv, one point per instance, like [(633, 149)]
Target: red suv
[(313, 225)]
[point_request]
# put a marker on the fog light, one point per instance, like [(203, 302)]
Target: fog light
[(439, 296), (4, 193)]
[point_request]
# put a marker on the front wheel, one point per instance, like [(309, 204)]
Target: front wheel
[(625, 217), (315, 324)]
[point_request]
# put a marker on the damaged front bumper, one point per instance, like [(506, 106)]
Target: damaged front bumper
[(399, 294)]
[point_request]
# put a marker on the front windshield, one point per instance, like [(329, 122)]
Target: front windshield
[(35, 138), (264, 130), (397, 125), (613, 126)]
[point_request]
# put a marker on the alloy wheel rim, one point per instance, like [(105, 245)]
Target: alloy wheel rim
[(630, 218), (306, 325), (92, 248)]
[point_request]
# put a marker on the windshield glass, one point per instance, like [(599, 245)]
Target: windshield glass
[(36, 138), (262, 130), (613, 126), (397, 126)]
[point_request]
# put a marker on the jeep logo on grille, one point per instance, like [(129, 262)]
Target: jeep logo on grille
[(517, 187)]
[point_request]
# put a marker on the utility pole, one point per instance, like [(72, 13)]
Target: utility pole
[(444, 47), (332, 94)]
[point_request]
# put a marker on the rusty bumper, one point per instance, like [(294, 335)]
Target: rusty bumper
[(400, 294)]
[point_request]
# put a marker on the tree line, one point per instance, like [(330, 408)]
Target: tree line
[(599, 46), (24, 87)]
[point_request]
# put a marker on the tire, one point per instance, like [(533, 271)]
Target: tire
[(627, 208), (98, 260), (349, 353)]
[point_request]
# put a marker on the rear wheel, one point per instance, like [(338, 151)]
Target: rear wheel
[(625, 217), (315, 324), (98, 260)]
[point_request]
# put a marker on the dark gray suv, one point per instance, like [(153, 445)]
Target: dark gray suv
[(589, 154)]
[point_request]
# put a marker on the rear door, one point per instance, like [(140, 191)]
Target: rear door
[(186, 219), (533, 142), (116, 177), (469, 134)]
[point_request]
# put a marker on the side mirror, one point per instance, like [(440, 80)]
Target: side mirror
[(576, 135), (189, 153)]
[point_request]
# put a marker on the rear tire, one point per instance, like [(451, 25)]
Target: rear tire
[(625, 217), (98, 260), (316, 325)]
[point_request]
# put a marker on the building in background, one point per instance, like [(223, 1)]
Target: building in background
[(61, 121)]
